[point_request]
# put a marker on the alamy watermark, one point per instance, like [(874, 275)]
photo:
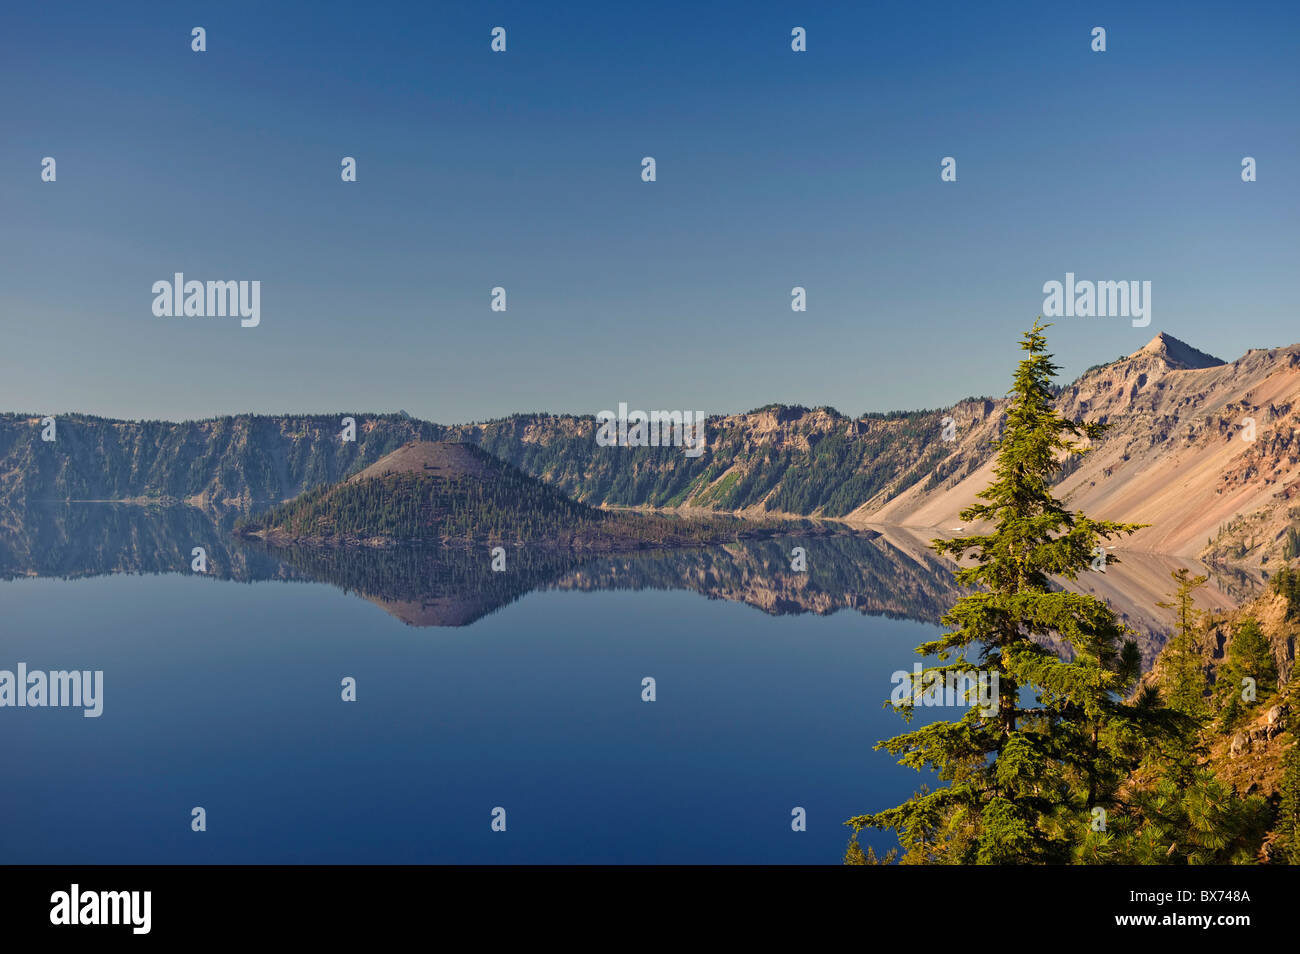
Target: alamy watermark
[(652, 429), (951, 687), (59, 688), (128, 908), (179, 298), (1086, 299)]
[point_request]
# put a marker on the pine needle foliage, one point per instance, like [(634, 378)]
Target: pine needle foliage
[(1022, 782)]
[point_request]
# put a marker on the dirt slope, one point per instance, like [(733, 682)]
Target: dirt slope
[(1200, 449)]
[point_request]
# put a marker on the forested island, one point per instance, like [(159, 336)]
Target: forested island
[(456, 494)]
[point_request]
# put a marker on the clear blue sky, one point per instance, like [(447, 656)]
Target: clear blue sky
[(775, 169)]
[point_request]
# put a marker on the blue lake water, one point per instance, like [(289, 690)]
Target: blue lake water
[(226, 695), (475, 690)]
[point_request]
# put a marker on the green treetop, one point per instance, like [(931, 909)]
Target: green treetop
[(1184, 676), (1248, 674), (1023, 780)]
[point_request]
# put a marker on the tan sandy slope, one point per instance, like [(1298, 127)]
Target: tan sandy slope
[(1200, 449)]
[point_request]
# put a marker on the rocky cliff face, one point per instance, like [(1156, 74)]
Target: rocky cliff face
[(241, 461), (1206, 452), (1249, 756), (772, 460)]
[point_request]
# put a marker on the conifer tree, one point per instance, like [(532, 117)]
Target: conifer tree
[(1022, 780), (854, 855), (1199, 821), (1286, 582), (1287, 827), (1185, 684), (1249, 657)]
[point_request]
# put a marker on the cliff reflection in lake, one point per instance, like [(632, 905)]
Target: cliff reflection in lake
[(889, 573)]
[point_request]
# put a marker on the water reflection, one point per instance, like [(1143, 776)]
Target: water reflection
[(889, 573)]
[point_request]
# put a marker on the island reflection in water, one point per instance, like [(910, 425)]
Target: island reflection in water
[(882, 572)]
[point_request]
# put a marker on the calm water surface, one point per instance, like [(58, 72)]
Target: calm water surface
[(474, 690), (225, 694)]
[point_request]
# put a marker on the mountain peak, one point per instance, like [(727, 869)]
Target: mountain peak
[(1177, 354), (443, 459)]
